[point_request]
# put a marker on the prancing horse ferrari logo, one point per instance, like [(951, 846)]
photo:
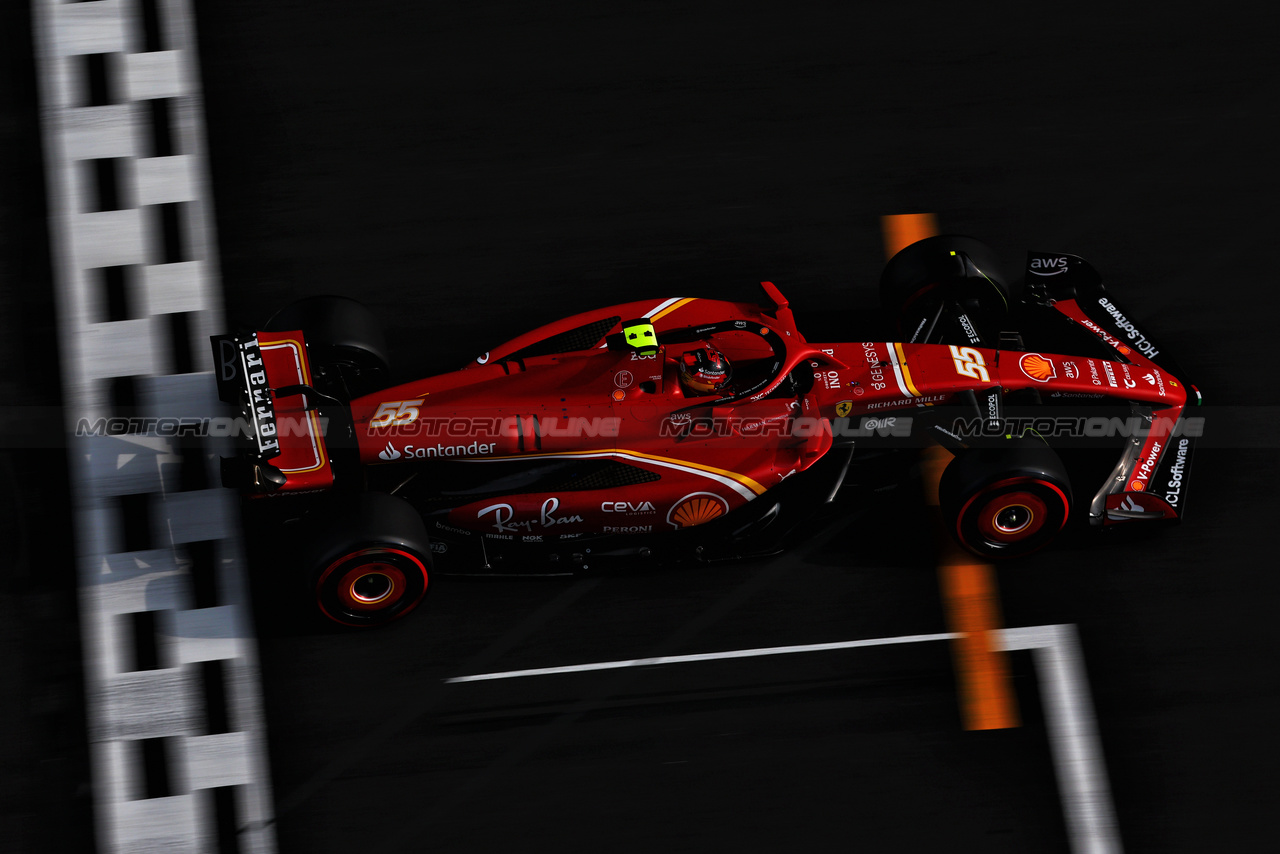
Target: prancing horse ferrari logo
[(843, 408)]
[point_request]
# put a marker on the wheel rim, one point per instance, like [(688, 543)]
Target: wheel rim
[(1012, 517), (371, 586)]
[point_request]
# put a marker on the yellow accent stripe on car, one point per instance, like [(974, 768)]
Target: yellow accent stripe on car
[(906, 372), (740, 478)]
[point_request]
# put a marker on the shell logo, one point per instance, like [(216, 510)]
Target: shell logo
[(696, 509), (1037, 367), (1137, 486)]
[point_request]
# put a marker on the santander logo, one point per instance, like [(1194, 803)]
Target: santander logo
[(389, 453)]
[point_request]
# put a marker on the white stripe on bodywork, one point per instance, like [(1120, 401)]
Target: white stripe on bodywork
[(663, 305), (897, 370), (651, 312)]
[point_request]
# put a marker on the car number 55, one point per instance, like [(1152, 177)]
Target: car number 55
[(969, 363), (396, 412)]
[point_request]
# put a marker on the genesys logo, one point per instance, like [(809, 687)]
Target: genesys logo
[(1037, 367), (1044, 266)]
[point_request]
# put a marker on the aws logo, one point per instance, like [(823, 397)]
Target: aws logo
[(1048, 266)]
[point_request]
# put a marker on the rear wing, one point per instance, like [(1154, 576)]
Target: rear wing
[(266, 376), (242, 382)]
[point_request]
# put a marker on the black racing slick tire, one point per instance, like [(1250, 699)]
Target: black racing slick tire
[(948, 267), (344, 339), (1005, 502), (368, 559)]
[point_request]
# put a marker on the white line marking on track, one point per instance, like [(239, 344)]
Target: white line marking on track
[(702, 656), (1064, 685), (1073, 735)]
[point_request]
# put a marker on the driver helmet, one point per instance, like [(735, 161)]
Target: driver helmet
[(704, 370)]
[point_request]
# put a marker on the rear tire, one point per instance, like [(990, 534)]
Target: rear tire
[(345, 342), (1005, 502), (368, 559), (922, 275)]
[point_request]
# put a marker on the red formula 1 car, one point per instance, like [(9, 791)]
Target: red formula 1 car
[(694, 429)]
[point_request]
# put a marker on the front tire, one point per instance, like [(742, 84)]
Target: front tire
[(369, 560), (1005, 502)]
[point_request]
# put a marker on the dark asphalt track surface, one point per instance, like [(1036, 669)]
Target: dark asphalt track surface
[(473, 170)]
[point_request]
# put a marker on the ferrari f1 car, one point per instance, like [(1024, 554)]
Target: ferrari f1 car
[(696, 429)]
